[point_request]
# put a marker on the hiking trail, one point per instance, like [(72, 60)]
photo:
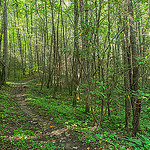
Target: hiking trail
[(63, 137)]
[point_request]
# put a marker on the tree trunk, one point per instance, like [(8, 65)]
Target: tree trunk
[(136, 103), (76, 56), (108, 59), (127, 64), (30, 48), (5, 51), (19, 42), (54, 49), (86, 43)]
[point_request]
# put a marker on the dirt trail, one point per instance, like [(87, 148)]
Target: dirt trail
[(62, 136)]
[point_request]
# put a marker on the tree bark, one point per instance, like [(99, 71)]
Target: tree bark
[(136, 103), (76, 56), (5, 50), (19, 42), (127, 64), (30, 47)]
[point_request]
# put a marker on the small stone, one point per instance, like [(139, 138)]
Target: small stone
[(67, 134), (75, 147)]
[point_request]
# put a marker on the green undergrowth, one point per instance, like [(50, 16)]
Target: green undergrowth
[(16, 130), (60, 107), (114, 140), (61, 111)]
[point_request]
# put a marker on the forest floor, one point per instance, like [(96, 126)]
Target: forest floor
[(30, 118), (41, 127)]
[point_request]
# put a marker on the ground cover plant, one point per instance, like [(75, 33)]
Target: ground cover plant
[(16, 130), (19, 131), (112, 136), (59, 107)]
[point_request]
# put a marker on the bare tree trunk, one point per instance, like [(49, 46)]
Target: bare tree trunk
[(10, 55), (44, 46), (108, 59), (54, 49), (136, 103), (143, 52), (30, 48), (49, 82), (5, 50), (19, 42), (87, 107), (76, 56), (57, 52), (1, 30), (100, 61), (37, 63), (127, 64), (64, 46)]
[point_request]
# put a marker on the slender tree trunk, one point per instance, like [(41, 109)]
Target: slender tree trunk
[(64, 46), (57, 52), (108, 59), (86, 43), (76, 56), (54, 49), (19, 42), (30, 48), (136, 103), (5, 50), (44, 46), (143, 55), (1, 30), (99, 61), (10, 55), (127, 64)]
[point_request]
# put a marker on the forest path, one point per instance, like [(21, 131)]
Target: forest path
[(63, 137)]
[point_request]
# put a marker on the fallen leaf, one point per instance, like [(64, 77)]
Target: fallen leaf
[(53, 141), (92, 129), (88, 148), (58, 132)]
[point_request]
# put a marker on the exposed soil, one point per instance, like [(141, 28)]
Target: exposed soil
[(47, 129)]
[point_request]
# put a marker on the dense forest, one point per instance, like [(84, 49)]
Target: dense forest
[(83, 63)]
